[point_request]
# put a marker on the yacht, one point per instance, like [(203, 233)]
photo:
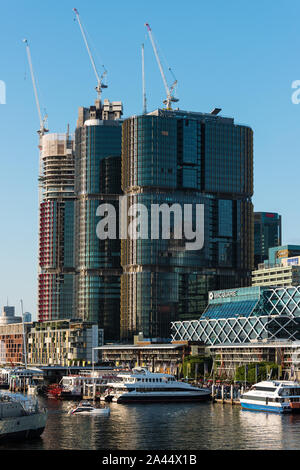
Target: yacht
[(20, 419), (86, 408), (272, 395), (143, 386)]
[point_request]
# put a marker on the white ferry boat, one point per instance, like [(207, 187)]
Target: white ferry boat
[(272, 395), (20, 419), (144, 386)]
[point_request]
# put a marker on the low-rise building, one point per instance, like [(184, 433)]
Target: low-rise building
[(286, 354), (158, 357), (63, 342)]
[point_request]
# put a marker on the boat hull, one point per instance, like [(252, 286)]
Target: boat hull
[(24, 427), (266, 408), (144, 398)]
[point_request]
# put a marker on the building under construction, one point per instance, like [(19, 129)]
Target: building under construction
[(56, 228)]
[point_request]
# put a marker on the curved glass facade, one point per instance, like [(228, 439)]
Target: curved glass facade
[(98, 181), (184, 158)]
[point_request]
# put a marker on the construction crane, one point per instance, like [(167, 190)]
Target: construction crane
[(42, 130), (169, 90), (143, 79), (100, 84)]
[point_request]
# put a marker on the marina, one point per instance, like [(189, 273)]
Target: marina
[(197, 426)]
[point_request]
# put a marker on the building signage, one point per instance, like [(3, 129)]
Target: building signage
[(222, 295), (292, 261)]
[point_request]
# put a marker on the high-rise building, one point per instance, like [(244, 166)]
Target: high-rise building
[(97, 181), (56, 279), (180, 157), (267, 234), (277, 253)]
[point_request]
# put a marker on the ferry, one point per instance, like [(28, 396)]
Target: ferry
[(20, 419), (272, 395), (143, 386)]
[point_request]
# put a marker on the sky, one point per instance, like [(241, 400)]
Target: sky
[(237, 55)]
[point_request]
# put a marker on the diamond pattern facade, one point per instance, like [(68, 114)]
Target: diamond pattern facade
[(277, 315)]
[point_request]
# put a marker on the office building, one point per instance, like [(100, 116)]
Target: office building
[(278, 252), (245, 315), (56, 278), (267, 234), (27, 317), (180, 157), (97, 181), (285, 274), (8, 317)]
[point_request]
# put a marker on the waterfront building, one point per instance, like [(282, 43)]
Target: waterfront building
[(286, 354), (285, 274), (97, 181), (11, 343), (56, 278), (158, 357), (267, 234), (63, 343), (244, 315), (181, 157)]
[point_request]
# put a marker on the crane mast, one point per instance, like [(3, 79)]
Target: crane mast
[(169, 90), (100, 84), (143, 78), (42, 130)]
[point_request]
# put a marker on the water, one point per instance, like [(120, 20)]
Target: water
[(189, 426)]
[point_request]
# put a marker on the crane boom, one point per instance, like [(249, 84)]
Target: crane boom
[(100, 85), (42, 120), (170, 98)]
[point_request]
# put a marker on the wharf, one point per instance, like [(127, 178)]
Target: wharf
[(226, 401)]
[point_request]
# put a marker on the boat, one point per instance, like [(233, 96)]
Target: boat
[(141, 385), (276, 396), (53, 391), (20, 419), (86, 408)]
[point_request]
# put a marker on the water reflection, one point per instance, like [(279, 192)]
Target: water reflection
[(166, 426)]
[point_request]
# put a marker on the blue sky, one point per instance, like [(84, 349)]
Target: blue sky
[(237, 55)]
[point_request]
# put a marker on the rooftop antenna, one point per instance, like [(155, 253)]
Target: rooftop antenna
[(100, 84), (169, 90), (143, 78)]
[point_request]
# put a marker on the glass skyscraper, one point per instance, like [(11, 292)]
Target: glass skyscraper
[(267, 234), (97, 181), (179, 157)]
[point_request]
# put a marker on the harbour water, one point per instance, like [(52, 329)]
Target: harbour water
[(165, 426)]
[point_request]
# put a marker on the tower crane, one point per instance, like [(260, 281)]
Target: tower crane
[(42, 130), (100, 84), (143, 79), (169, 90)]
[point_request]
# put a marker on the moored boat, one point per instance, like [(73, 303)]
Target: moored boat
[(86, 408), (143, 386), (20, 419), (275, 396)]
